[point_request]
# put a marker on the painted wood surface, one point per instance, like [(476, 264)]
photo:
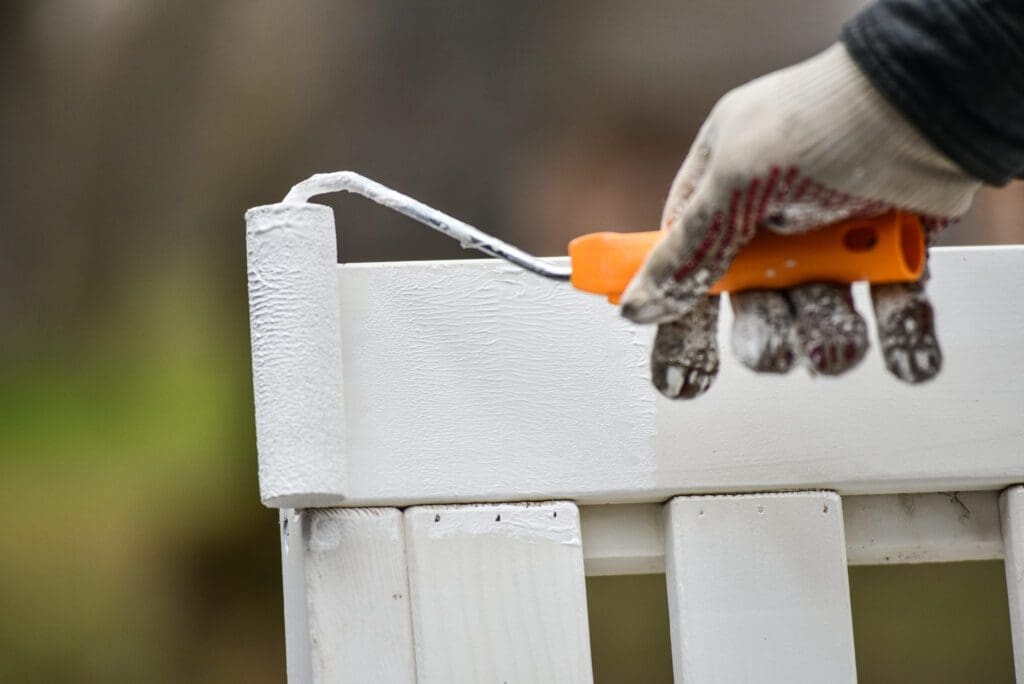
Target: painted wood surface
[(360, 624), (623, 539), (922, 528), (628, 539), (474, 381), (296, 606), (1011, 506), (758, 590), (498, 593)]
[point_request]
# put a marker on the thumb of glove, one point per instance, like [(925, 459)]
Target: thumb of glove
[(706, 229)]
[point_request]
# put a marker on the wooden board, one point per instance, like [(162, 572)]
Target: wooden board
[(623, 539), (758, 590), (474, 381), (298, 651), (360, 627), (922, 528), (1011, 505), (628, 539), (498, 593)]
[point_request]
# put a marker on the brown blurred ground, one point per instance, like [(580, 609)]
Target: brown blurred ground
[(134, 135)]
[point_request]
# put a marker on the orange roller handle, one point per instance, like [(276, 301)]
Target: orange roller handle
[(884, 249)]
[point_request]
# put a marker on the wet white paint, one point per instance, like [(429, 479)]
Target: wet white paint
[(515, 521), (295, 324), (446, 360), (475, 381)]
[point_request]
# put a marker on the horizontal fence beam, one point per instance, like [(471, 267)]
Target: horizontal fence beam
[(628, 539), (473, 381)]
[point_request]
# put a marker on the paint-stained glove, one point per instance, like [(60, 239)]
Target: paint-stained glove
[(797, 149)]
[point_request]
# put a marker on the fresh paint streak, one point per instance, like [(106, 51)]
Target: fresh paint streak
[(757, 589), (296, 368), (473, 381), (527, 523), (429, 382)]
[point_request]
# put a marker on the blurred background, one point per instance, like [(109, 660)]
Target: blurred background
[(134, 135)]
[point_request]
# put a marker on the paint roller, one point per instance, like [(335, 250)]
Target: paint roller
[(889, 248)]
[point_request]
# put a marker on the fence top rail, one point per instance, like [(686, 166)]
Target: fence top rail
[(471, 380)]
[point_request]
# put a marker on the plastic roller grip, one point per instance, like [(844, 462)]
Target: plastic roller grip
[(883, 249)]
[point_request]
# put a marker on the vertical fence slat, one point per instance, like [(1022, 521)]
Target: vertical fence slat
[(1011, 514), (360, 624), (758, 589), (296, 607), (498, 593)]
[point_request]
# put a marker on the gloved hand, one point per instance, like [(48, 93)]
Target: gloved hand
[(797, 149)]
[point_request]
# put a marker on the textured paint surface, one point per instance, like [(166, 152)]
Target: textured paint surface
[(525, 522), (459, 362), (867, 432), (296, 331), (474, 381)]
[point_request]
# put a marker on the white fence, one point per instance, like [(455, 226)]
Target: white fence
[(407, 412)]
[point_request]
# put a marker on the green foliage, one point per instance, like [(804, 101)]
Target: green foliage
[(140, 550)]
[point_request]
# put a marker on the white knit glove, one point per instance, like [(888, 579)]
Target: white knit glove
[(797, 149)]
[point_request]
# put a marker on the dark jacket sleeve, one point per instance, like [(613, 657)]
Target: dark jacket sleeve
[(955, 69)]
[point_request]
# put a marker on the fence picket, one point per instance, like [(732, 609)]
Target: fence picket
[(360, 626), (758, 589), (1011, 514), (498, 593)]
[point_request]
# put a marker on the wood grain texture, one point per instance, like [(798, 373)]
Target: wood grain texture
[(498, 593), (360, 625), (1011, 508), (474, 381), (758, 590)]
